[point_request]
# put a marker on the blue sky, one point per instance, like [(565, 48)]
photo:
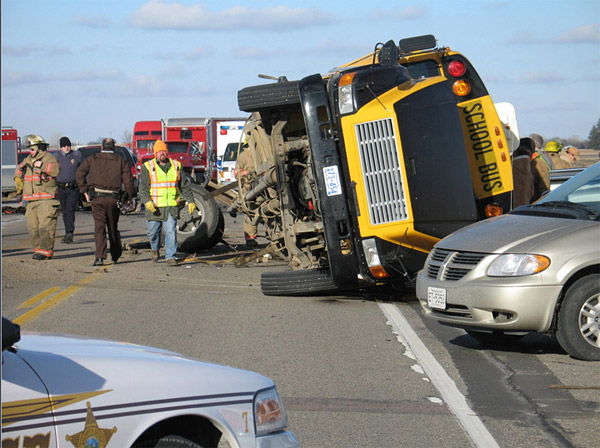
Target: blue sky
[(90, 69)]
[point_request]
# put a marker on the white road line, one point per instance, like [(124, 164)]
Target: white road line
[(456, 401)]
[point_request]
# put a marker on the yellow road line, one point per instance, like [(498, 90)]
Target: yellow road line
[(41, 296), (57, 299)]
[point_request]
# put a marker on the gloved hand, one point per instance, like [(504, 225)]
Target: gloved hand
[(150, 206), (19, 185), (191, 207)]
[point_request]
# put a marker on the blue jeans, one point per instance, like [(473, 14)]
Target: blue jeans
[(153, 232)]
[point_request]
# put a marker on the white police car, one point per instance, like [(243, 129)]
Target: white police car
[(68, 391)]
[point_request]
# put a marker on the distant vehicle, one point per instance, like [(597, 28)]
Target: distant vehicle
[(11, 149), (222, 133), (63, 391), (145, 133), (534, 269), (227, 163), (186, 139)]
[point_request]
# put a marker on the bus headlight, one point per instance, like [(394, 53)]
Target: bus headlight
[(346, 93), (372, 257)]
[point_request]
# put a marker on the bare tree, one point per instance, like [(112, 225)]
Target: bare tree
[(54, 139), (126, 137)]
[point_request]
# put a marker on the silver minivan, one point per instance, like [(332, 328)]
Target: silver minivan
[(536, 268)]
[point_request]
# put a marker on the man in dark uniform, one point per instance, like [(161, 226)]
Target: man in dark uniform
[(100, 178), (68, 192)]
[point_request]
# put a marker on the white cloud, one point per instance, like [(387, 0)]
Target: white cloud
[(197, 53), (587, 34), (159, 14), (542, 78), (139, 86), (525, 37), (32, 49), (17, 78), (251, 53), (97, 21)]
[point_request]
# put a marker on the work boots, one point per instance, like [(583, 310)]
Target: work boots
[(155, 255), (68, 239)]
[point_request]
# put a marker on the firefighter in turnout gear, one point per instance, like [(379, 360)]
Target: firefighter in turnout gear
[(163, 187), (35, 179)]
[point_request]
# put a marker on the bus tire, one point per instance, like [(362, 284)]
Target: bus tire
[(255, 98), (297, 283)]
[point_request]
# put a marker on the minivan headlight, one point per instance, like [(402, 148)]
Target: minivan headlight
[(269, 413), (517, 265)]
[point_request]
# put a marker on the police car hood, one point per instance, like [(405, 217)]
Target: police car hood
[(522, 234), (72, 364)]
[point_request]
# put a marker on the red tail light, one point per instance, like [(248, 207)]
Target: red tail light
[(457, 68)]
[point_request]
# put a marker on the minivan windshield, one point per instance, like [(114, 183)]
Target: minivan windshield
[(578, 198)]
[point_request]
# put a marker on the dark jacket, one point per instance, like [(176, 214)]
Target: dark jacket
[(522, 179), (69, 163), (107, 171)]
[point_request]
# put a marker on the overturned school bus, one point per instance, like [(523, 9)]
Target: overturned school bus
[(357, 174)]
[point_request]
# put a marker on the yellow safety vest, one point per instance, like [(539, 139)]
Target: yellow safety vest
[(163, 186)]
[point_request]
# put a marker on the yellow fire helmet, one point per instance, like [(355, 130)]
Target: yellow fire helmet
[(38, 141), (553, 146)]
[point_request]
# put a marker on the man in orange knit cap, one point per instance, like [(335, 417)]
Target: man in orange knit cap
[(163, 187)]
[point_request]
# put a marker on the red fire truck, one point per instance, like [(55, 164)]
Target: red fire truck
[(196, 142), (11, 148), (145, 133), (186, 140)]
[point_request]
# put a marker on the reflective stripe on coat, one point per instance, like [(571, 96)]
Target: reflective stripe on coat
[(163, 186)]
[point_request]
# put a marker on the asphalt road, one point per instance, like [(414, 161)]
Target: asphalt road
[(353, 370)]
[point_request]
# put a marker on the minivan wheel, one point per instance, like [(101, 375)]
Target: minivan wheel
[(578, 330)]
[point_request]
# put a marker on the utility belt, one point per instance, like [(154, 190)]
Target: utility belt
[(67, 185), (99, 192)]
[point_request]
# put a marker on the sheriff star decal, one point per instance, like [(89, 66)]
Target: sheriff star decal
[(92, 436)]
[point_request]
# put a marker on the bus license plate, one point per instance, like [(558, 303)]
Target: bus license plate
[(436, 298)]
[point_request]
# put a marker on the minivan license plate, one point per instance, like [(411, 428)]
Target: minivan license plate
[(436, 298)]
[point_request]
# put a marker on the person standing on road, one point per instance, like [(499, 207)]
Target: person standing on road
[(68, 191), (522, 175), (35, 179), (244, 167), (541, 165), (162, 187), (100, 177), (570, 155), (553, 149)]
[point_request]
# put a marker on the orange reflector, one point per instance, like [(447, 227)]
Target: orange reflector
[(503, 156), (492, 210), (347, 78), (378, 272), (461, 88), (496, 130), (499, 142)]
